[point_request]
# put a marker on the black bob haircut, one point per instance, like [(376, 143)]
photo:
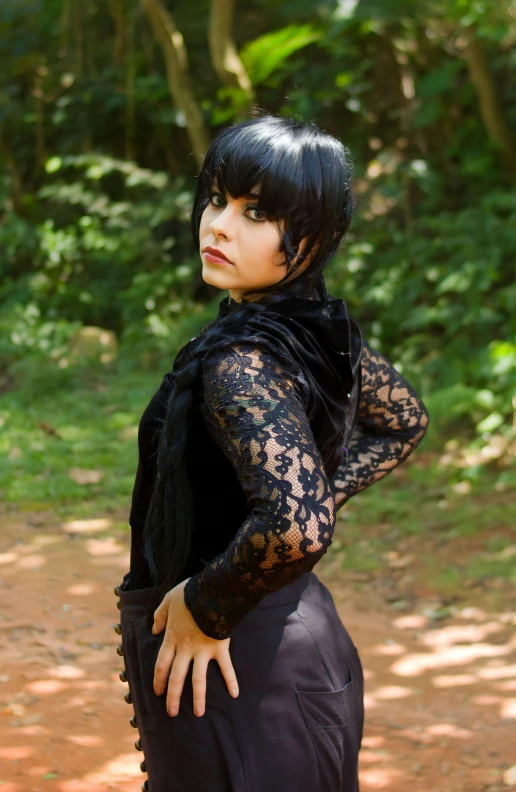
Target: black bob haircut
[(304, 176)]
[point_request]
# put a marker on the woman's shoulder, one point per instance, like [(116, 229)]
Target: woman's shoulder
[(254, 364)]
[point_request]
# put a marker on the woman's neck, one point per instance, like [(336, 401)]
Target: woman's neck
[(312, 291)]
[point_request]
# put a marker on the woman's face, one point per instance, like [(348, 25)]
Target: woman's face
[(238, 229)]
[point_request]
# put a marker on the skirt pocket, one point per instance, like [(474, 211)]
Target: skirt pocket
[(331, 721)]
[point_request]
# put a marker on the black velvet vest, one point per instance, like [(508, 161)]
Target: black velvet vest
[(313, 332)]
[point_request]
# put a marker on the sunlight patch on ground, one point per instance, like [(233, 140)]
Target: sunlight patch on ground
[(486, 699), (391, 648), (66, 672), (93, 684), (448, 730), (75, 701), (114, 561), (370, 757), (81, 589), (85, 740), (454, 680), (508, 709), (415, 664), (87, 526), (7, 558), (370, 702), (373, 741), (16, 752), (122, 768), (46, 687), (379, 778), (454, 634), (497, 669), (31, 561), (413, 621), (102, 547), (390, 692)]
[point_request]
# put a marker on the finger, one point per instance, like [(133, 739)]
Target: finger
[(228, 672), (163, 665), (160, 617), (199, 672), (176, 680)]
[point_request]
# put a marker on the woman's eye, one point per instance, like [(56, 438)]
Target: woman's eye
[(216, 199), (259, 214)]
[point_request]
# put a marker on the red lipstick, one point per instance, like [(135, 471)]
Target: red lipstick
[(215, 255)]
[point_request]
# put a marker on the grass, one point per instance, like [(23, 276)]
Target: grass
[(92, 426)]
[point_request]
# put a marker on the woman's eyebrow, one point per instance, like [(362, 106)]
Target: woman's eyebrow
[(251, 195)]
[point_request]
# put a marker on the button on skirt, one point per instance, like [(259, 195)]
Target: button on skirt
[(297, 723)]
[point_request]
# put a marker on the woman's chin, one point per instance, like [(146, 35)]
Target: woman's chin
[(218, 279)]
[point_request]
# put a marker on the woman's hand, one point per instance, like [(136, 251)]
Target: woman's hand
[(183, 642)]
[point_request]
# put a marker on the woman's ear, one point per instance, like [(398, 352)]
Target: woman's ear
[(301, 266)]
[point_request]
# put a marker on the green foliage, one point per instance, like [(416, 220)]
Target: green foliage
[(456, 335), (266, 54), (97, 178)]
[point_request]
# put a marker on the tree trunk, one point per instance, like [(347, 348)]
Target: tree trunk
[(66, 24), (224, 55), (174, 51), (78, 37), (37, 93), (130, 76), (16, 182), (116, 9), (490, 108), (146, 43)]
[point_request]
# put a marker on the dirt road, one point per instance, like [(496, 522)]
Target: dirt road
[(440, 692)]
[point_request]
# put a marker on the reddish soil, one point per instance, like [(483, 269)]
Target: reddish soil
[(440, 692)]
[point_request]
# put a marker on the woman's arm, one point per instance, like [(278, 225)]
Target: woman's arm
[(391, 421), (255, 414)]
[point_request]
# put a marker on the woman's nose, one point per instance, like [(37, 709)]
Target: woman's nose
[(222, 225)]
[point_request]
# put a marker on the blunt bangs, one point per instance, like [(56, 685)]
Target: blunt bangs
[(302, 176)]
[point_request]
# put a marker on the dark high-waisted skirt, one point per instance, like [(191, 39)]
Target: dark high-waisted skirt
[(297, 723)]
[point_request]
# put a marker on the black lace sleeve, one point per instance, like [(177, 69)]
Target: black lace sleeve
[(391, 422), (255, 414)]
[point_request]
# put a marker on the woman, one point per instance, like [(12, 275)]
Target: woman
[(271, 419)]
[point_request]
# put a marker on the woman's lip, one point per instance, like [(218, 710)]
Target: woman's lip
[(215, 259)]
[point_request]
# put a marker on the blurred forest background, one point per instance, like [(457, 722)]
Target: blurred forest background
[(106, 107)]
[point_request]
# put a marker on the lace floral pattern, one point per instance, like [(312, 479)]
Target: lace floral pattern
[(254, 412), (391, 422), (254, 408)]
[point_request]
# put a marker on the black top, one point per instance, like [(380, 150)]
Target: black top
[(267, 466)]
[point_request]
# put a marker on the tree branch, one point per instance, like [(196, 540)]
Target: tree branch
[(490, 108), (224, 55), (174, 51)]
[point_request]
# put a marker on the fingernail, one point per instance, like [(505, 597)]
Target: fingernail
[(234, 692), (199, 711), (172, 712)]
